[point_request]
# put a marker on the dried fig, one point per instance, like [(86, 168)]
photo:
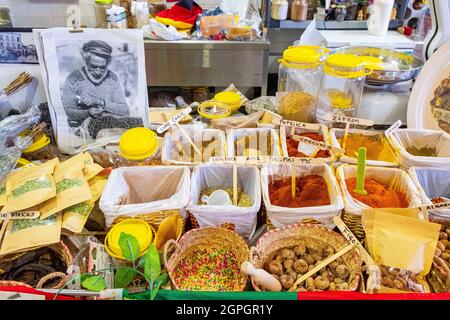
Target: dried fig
[(287, 253), (317, 257), (292, 274), (321, 283), (342, 286), (332, 286), (342, 271), (288, 264), (310, 259), (300, 250), (333, 265), (310, 284), (278, 258), (327, 251), (275, 267), (338, 281), (300, 266), (286, 281)]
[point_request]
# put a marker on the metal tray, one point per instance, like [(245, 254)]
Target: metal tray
[(408, 65)]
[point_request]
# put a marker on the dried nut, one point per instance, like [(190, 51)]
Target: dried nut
[(398, 284), (342, 271), (321, 283), (310, 259), (288, 264), (275, 267), (448, 232), (383, 270), (332, 286), (338, 281), (404, 282), (444, 242), (388, 281), (299, 250), (441, 246), (287, 253), (300, 266), (447, 250), (286, 281), (437, 252), (393, 272), (443, 235), (310, 284), (445, 256), (342, 286)]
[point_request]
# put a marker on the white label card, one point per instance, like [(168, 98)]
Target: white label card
[(443, 205), (393, 128), (319, 144), (350, 120), (19, 215), (296, 124), (174, 120)]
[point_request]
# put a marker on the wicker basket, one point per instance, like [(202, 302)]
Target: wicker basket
[(313, 236), (154, 218), (59, 248), (195, 224), (206, 237)]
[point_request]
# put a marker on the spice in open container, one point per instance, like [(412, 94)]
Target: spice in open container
[(342, 85), (299, 80)]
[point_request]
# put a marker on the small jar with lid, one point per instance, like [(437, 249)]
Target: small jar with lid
[(279, 9), (341, 86), (39, 150), (231, 99), (138, 147), (299, 10), (200, 94), (100, 7), (298, 82)]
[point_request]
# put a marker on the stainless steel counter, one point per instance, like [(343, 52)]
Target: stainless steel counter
[(207, 63)]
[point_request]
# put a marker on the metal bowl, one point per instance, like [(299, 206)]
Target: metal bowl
[(398, 66)]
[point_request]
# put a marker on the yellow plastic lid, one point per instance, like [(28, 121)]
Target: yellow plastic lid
[(301, 55), (38, 144), (372, 62), (230, 98), (343, 60), (212, 109), (138, 143), (140, 229)]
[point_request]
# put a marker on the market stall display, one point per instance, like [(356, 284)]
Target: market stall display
[(253, 142)]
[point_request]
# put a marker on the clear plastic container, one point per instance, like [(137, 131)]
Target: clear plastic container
[(298, 82), (341, 86), (100, 7)]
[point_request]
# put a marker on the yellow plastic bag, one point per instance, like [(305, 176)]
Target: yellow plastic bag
[(170, 228)]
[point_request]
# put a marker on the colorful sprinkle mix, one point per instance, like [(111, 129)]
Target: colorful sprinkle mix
[(208, 270)]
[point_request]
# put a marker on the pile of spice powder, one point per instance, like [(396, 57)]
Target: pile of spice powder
[(212, 269)]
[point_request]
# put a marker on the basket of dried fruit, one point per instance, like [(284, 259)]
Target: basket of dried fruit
[(290, 252), (207, 259)]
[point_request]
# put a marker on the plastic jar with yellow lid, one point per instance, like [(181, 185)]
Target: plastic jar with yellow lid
[(232, 99), (298, 82), (40, 149), (341, 86)]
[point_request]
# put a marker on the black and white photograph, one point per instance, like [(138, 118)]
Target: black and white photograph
[(98, 93), (13, 49)]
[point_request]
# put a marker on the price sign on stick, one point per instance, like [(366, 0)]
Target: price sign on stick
[(319, 144), (296, 124), (19, 215), (348, 122), (393, 128)]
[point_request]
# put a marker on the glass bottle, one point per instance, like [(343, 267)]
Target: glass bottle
[(299, 10), (279, 10)]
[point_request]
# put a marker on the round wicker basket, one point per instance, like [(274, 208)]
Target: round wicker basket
[(207, 237), (311, 235)]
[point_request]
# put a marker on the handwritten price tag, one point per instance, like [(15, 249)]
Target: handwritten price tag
[(19, 215), (443, 205), (350, 120), (319, 144), (296, 124), (295, 160), (174, 120), (393, 128)]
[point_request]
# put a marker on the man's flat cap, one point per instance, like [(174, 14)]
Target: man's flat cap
[(98, 47)]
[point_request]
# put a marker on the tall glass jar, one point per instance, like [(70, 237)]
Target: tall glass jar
[(299, 10), (100, 8), (279, 9), (138, 147), (298, 82), (341, 86)]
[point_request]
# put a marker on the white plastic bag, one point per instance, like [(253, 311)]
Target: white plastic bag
[(281, 216), (197, 134), (431, 183), (322, 131), (158, 31), (338, 133), (406, 138), (220, 176), (260, 144), (391, 178), (132, 191)]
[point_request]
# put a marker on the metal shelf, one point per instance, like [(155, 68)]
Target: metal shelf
[(333, 25)]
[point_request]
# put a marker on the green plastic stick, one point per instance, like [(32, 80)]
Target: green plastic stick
[(361, 172)]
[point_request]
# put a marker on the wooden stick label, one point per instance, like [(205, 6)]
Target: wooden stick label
[(319, 144), (442, 205), (350, 120), (393, 128), (296, 124), (174, 120), (19, 215)]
